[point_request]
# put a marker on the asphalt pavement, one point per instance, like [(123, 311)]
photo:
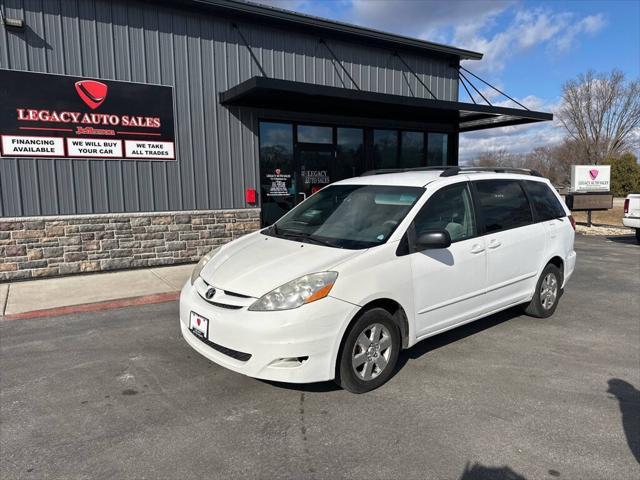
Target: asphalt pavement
[(119, 394)]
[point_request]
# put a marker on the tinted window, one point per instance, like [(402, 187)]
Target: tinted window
[(449, 209), (313, 134), (411, 149), (385, 148), (277, 172), (350, 152), (503, 205), (437, 151), (545, 203)]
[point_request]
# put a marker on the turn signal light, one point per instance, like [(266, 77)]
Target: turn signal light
[(626, 205), (573, 221)]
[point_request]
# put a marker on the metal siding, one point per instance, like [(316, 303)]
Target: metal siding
[(200, 55)]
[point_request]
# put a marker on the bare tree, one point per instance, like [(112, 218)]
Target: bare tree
[(601, 113), (494, 158), (553, 162)]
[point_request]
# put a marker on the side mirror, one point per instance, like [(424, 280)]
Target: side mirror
[(433, 239)]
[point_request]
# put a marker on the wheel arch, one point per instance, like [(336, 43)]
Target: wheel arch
[(558, 262), (393, 307)]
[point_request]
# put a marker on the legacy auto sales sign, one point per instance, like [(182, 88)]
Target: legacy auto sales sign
[(57, 116), (590, 178)]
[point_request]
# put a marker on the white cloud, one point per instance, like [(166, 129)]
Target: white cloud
[(427, 19), (557, 31), (589, 25), (515, 139)]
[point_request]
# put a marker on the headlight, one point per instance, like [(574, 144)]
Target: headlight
[(203, 261), (297, 292)]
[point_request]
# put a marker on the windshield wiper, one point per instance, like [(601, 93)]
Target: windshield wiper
[(306, 237)]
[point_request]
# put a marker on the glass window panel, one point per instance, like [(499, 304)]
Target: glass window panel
[(350, 152), (315, 134), (546, 204), (412, 149), (437, 149), (449, 209), (503, 205), (385, 148), (277, 174)]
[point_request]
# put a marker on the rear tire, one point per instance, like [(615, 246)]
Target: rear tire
[(638, 235), (547, 295), (369, 353)]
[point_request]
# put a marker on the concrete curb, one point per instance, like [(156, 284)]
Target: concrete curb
[(94, 307)]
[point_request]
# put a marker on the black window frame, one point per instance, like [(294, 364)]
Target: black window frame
[(478, 206)]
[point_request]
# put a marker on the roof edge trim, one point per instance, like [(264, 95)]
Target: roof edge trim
[(278, 14)]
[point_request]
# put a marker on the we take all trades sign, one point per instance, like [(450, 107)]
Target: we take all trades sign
[(58, 116)]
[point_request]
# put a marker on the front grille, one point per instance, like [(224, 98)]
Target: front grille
[(234, 294), (224, 305), (243, 357)]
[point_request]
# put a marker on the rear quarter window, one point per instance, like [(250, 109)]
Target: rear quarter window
[(503, 205), (546, 204)]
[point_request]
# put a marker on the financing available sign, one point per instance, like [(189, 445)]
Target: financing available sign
[(590, 178), (58, 116)]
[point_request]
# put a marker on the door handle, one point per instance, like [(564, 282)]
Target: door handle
[(477, 248), (494, 244)]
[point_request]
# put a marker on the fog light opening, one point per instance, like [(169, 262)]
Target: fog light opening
[(290, 362)]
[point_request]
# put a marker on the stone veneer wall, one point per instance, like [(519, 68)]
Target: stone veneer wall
[(37, 247)]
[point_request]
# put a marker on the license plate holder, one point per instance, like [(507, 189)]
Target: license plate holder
[(199, 325)]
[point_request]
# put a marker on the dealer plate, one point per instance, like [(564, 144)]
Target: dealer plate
[(199, 325)]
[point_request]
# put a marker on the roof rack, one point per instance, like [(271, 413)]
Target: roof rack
[(450, 171)]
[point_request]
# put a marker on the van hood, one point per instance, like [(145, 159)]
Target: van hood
[(256, 264)]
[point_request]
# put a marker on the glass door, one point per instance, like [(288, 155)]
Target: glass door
[(315, 167)]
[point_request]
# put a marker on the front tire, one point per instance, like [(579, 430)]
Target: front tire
[(638, 235), (547, 294), (370, 352)]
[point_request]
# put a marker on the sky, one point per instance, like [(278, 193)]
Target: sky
[(530, 48)]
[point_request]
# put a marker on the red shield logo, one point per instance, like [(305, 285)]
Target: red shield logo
[(91, 92)]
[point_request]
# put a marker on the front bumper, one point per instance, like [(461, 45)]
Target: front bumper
[(312, 331)]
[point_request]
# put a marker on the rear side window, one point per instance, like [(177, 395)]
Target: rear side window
[(503, 205), (545, 203)]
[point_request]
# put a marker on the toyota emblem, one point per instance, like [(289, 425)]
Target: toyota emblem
[(210, 293)]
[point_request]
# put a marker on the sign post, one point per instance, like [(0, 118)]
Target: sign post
[(590, 189)]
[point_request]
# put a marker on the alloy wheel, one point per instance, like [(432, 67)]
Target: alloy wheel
[(548, 291), (371, 352)]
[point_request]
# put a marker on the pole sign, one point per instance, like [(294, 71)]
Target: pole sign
[(590, 178), (58, 116)]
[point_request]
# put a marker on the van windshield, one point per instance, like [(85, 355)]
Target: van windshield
[(348, 216)]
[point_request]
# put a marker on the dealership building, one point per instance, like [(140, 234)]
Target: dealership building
[(140, 133)]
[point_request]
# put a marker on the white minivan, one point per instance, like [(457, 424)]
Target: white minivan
[(371, 265)]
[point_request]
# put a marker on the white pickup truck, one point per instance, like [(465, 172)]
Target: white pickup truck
[(631, 217)]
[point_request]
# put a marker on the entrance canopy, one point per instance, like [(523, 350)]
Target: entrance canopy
[(271, 93)]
